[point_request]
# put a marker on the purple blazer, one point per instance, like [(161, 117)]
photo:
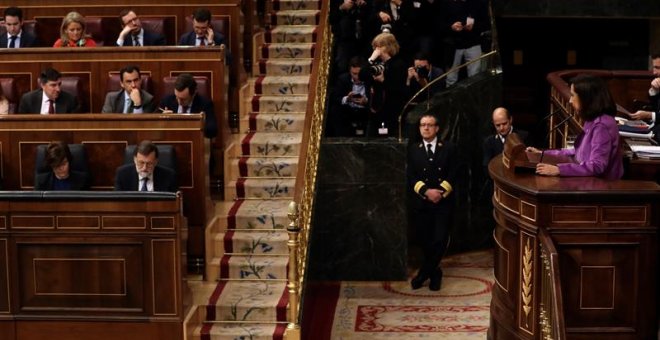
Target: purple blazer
[(596, 151)]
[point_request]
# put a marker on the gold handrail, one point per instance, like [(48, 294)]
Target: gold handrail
[(441, 77), (303, 200)]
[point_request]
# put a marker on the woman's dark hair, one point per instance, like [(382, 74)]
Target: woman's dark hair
[(56, 153), (595, 98)]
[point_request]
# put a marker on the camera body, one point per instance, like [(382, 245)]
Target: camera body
[(422, 71), (386, 28)]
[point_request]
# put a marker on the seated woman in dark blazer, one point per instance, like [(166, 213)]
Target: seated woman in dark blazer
[(58, 158)]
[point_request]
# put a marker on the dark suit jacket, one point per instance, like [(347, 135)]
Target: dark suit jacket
[(31, 103), (424, 174), (493, 146), (199, 104), (126, 179), (188, 39), (149, 39), (114, 102), (78, 180), (27, 40)]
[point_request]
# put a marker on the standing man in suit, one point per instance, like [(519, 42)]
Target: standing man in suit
[(50, 98), (186, 100), (431, 172), (494, 145), (132, 33), (16, 37), (145, 174), (131, 98), (203, 33)]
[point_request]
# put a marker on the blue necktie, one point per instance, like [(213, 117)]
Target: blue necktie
[(12, 43), (144, 184)]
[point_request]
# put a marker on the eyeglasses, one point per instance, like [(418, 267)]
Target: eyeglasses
[(142, 164), (426, 125)]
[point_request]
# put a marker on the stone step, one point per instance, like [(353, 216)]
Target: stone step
[(291, 34), (271, 144), (252, 267), (265, 188), (287, 51), (252, 242), (263, 167), (291, 103), (243, 300), (283, 5), (284, 67), (273, 122), (295, 17), (281, 85), (233, 331)]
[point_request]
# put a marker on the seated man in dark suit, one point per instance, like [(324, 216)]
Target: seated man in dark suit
[(50, 98), (351, 96), (16, 37), (494, 145), (186, 100), (58, 158), (203, 33), (131, 98), (145, 174), (132, 33)]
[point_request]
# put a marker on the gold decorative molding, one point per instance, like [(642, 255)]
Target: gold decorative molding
[(526, 284), (528, 210)]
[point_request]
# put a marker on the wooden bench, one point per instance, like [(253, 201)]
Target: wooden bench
[(105, 137), (99, 265)]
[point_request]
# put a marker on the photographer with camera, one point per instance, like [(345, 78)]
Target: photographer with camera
[(349, 21), (396, 17), (421, 74), (350, 103), (389, 88)]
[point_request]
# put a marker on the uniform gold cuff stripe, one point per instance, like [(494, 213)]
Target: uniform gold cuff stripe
[(418, 186), (445, 185)]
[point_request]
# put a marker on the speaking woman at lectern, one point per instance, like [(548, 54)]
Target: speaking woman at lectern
[(596, 150)]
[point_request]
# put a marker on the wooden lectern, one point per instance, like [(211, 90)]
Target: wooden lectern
[(575, 258)]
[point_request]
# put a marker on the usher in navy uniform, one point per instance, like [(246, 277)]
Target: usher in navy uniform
[(436, 170)]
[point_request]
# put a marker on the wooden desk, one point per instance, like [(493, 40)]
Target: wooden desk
[(606, 236), (91, 267), (105, 137)]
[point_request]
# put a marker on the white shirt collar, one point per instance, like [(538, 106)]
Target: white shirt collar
[(433, 143)]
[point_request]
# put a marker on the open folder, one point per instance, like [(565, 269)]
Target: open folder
[(515, 158)]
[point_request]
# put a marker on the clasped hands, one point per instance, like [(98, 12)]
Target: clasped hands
[(542, 168), (433, 195)]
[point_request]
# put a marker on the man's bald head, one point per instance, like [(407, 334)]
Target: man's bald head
[(502, 121)]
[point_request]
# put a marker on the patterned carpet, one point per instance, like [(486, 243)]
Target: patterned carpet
[(392, 310)]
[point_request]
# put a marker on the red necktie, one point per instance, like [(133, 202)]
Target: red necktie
[(51, 108)]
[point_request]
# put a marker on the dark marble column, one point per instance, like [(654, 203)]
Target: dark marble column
[(359, 227)]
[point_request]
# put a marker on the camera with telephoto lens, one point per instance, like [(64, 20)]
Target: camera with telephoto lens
[(376, 69)]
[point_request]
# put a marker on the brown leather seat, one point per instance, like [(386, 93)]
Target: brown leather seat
[(203, 86), (95, 29), (8, 86), (161, 25), (113, 83), (74, 86)]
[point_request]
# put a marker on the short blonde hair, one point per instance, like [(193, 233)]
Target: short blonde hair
[(388, 41), (71, 18)]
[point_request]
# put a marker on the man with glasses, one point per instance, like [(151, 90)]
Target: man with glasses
[(145, 174), (132, 33), (431, 174), (131, 98)]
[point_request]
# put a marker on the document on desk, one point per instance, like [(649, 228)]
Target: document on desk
[(646, 151)]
